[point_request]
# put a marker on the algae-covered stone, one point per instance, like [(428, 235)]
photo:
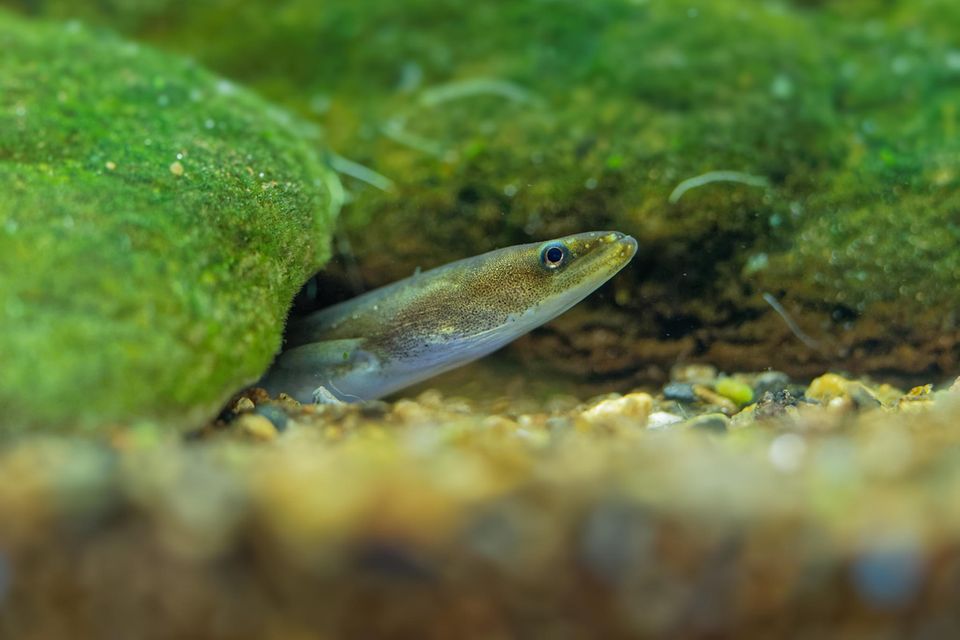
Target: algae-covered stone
[(155, 222)]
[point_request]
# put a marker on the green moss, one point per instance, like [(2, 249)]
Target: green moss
[(154, 225), (882, 227), (623, 102), (589, 115)]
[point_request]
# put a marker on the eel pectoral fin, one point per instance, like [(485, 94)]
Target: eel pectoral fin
[(298, 371)]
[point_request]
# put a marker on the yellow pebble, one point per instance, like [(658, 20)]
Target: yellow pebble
[(288, 403), (839, 393), (921, 391), (255, 427), (431, 398), (633, 405), (499, 424), (827, 387), (410, 412), (243, 405), (917, 398)]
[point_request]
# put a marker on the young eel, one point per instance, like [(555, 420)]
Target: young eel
[(431, 322)]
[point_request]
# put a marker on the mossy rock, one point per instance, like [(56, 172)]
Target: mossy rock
[(501, 125), (155, 222)]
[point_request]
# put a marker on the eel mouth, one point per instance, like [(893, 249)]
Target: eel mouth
[(628, 245), (620, 251)]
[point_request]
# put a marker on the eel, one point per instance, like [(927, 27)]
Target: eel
[(400, 334)]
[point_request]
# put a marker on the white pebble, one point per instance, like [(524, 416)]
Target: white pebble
[(787, 451), (661, 419)]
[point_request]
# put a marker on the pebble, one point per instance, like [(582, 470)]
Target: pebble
[(258, 395), (532, 421), (411, 412), (826, 388), (711, 397), (431, 399), (561, 403), (243, 405), (836, 391), (256, 427), (499, 423), (662, 419), (289, 403), (774, 405), (919, 393), (918, 398), (711, 422), (633, 405), (534, 437), (277, 416), (735, 390), (745, 418), (770, 381), (679, 391), (863, 397)]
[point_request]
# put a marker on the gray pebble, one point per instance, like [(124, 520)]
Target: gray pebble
[(863, 397), (276, 415), (679, 391), (712, 422), (770, 381)]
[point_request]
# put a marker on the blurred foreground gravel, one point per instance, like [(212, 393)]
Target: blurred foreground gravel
[(812, 510)]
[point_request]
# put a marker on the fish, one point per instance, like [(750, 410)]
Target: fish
[(433, 321)]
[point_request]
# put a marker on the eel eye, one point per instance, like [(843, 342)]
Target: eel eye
[(553, 256)]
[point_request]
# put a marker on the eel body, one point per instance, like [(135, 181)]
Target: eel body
[(434, 321)]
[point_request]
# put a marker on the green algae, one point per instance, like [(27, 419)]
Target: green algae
[(882, 229), (498, 124), (154, 224)]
